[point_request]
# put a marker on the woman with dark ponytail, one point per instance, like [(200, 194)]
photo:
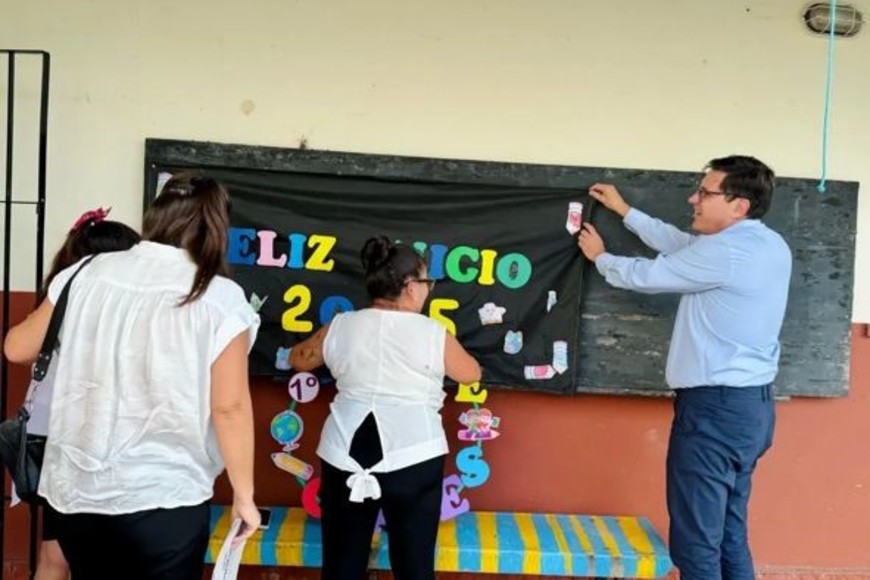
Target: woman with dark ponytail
[(383, 444), (91, 234), (151, 397)]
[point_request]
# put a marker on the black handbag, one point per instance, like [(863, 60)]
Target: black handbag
[(21, 451)]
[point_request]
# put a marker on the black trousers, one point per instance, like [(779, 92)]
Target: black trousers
[(49, 522), (410, 499), (717, 438), (159, 544)]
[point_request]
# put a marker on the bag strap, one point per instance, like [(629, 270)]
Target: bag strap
[(43, 359)]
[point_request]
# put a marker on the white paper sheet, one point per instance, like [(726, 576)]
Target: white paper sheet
[(226, 567)]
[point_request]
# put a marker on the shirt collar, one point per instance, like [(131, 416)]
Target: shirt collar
[(161, 251), (742, 224)]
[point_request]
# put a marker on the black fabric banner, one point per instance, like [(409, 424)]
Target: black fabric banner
[(508, 268)]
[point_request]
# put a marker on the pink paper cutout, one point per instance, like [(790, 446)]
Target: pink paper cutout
[(310, 500), (479, 425)]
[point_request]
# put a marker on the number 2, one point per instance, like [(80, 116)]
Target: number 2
[(290, 319)]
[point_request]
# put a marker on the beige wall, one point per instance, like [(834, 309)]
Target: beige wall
[(638, 83)]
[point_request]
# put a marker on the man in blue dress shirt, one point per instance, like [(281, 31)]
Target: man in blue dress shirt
[(724, 352)]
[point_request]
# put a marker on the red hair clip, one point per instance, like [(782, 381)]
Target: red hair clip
[(92, 216)]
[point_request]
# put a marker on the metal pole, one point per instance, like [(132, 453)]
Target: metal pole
[(7, 254), (40, 205), (43, 164), (40, 242)]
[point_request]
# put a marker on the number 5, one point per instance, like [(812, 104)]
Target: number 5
[(436, 312)]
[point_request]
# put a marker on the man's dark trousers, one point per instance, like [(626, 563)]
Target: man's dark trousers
[(717, 437)]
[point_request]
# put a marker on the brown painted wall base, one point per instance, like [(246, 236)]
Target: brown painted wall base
[(810, 511), (814, 574)]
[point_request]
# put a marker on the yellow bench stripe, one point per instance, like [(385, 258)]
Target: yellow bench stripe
[(606, 536), (581, 535), (221, 530), (488, 541), (251, 551), (447, 553), (289, 549), (636, 536), (532, 548)]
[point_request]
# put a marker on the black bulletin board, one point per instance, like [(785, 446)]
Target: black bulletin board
[(621, 339)]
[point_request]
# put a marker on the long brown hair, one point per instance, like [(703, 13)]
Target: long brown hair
[(193, 213)]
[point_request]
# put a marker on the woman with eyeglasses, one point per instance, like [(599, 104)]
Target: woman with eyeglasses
[(151, 397), (383, 444)]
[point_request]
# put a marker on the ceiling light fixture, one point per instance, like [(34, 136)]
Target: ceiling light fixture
[(818, 17)]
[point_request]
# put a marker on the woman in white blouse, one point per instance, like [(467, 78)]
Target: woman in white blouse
[(383, 444), (151, 397), (90, 234)]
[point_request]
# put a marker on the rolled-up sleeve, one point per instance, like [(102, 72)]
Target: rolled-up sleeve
[(238, 319)]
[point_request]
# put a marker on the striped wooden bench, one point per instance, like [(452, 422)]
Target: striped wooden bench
[(479, 542)]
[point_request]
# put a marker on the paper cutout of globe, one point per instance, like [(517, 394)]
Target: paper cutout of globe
[(287, 428)]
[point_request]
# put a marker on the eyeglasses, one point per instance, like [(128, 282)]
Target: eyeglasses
[(706, 193), (428, 281)]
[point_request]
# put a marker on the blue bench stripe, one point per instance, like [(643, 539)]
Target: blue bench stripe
[(468, 542), (510, 544), (268, 554), (602, 556), (215, 513), (312, 550), (579, 560), (552, 560)]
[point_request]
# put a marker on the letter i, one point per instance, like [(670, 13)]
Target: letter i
[(297, 248)]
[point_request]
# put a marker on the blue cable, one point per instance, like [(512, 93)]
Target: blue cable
[(827, 112)]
